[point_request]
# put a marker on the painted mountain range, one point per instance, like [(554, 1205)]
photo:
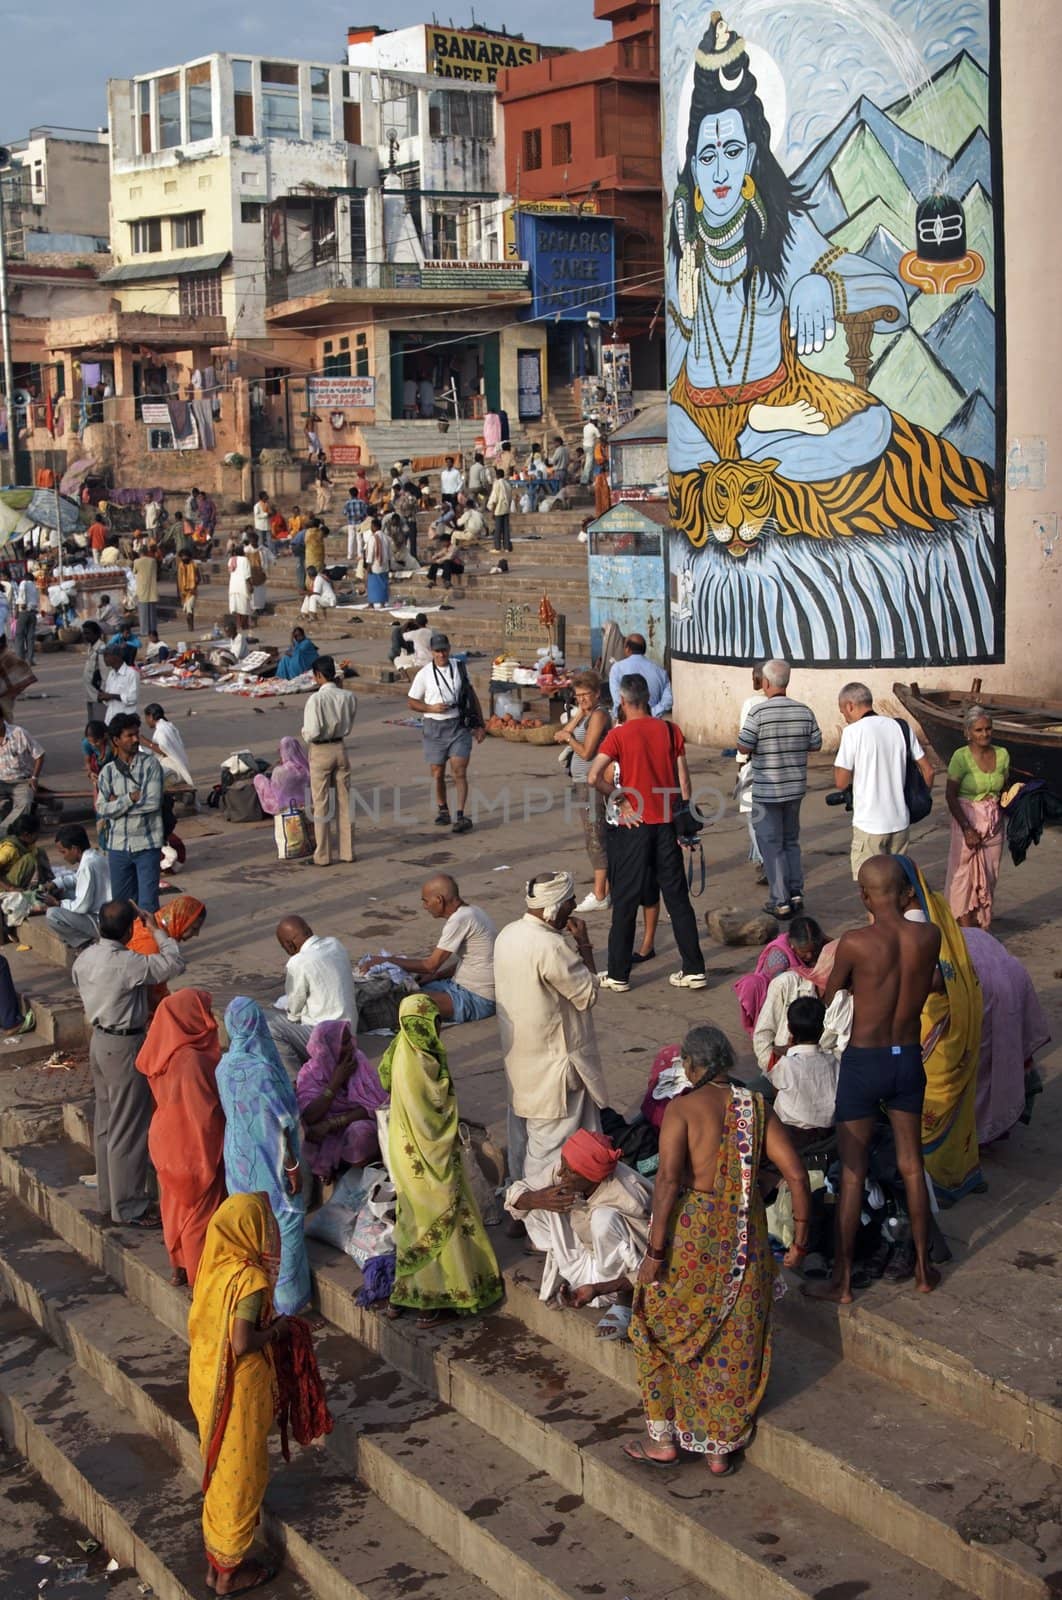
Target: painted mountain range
[(865, 181)]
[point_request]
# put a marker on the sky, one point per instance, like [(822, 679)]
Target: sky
[(44, 81)]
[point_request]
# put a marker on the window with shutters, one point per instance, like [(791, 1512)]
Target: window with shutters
[(145, 236), (199, 101), (169, 102), (143, 109), (243, 99), (280, 99), (352, 107), (187, 231), (532, 149), (561, 137)]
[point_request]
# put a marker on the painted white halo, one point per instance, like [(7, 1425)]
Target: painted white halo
[(770, 87)]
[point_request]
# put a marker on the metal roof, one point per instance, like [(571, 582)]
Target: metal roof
[(163, 267)]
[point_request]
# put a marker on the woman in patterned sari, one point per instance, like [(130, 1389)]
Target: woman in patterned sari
[(231, 1383), (444, 1263), (951, 1052), (702, 1308), (262, 1139)]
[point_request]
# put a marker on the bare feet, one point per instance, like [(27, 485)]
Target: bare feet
[(927, 1281), (836, 1294), (179, 1278), (210, 1579), (432, 1319), (800, 417)]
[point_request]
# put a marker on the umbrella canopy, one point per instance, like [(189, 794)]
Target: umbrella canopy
[(42, 511)]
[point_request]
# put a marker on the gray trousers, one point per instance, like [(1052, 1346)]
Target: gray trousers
[(778, 836), (291, 1040), (123, 1114), (26, 635), (75, 928), (21, 800), (546, 1136)]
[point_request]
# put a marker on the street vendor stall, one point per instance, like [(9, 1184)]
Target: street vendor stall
[(529, 685)]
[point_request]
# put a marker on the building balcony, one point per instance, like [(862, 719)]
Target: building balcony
[(106, 329), (364, 282), (620, 61)]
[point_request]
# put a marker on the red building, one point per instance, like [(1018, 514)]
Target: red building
[(584, 127)]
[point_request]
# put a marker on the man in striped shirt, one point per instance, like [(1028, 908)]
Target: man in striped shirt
[(777, 736), (129, 800)]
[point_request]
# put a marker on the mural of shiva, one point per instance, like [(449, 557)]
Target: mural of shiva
[(811, 520)]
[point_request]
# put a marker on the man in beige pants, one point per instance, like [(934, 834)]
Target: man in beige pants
[(327, 719)]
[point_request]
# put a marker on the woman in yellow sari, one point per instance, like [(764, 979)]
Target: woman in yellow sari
[(951, 1049), (444, 1263), (231, 1383)]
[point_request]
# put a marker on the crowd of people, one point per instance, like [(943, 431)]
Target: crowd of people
[(903, 1047)]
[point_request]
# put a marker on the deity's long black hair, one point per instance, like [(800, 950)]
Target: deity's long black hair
[(781, 199)]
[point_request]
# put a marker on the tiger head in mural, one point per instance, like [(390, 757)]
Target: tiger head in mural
[(730, 502)]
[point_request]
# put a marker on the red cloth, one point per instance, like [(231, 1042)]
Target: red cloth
[(653, 1110), (590, 1155), (186, 1139), (301, 1403), (647, 750)]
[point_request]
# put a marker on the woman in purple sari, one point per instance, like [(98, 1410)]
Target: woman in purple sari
[(289, 782), (1013, 1028), (339, 1093)]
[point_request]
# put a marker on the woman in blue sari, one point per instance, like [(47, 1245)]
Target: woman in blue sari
[(262, 1140), (299, 658)]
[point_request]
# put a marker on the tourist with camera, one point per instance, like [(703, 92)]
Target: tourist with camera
[(874, 759)]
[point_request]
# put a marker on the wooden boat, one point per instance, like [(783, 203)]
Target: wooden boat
[(1031, 730)]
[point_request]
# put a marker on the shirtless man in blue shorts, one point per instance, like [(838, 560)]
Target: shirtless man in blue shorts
[(889, 969)]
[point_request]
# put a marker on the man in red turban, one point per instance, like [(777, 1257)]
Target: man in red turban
[(592, 1222)]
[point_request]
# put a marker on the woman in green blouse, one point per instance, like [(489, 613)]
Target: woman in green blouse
[(978, 773)]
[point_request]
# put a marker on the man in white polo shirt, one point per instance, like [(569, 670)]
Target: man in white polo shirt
[(872, 757), (449, 728)]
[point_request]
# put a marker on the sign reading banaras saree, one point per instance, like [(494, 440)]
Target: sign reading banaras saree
[(833, 317)]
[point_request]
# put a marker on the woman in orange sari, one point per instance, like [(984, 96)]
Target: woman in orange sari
[(180, 919), (186, 1139), (232, 1383)]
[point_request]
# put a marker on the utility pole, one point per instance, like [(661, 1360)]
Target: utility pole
[(5, 328)]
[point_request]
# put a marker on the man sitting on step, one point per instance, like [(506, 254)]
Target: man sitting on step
[(113, 983), (592, 1220)]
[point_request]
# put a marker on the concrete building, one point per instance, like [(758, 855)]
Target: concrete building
[(59, 205), (582, 131)]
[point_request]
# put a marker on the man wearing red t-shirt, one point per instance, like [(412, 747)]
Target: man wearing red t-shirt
[(97, 538), (644, 757)]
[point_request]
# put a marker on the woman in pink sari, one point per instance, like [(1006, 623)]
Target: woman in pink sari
[(289, 782), (799, 949), (978, 773), (339, 1093)]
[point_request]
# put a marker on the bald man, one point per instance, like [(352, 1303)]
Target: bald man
[(318, 987), (460, 969), (889, 969)]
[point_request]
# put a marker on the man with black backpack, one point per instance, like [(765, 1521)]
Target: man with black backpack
[(881, 758), (442, 694)]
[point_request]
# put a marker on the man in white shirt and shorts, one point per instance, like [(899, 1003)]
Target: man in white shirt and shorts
[(449, 733), (872, 757)]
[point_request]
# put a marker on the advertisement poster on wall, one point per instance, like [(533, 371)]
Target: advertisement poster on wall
[(834, 304), (616, 376)]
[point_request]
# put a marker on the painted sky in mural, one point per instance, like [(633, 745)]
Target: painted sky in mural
[(886, 433)]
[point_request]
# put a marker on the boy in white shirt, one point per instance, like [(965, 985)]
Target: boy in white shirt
[(805, 1079)]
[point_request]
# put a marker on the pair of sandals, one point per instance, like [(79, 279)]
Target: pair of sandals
[(718, 1466)]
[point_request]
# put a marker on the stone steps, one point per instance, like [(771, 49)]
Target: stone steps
[(508, 1527), (814, 1512)]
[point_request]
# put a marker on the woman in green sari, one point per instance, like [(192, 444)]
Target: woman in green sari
[(444, 1263)]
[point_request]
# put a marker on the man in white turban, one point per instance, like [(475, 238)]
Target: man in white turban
[(545, 988)]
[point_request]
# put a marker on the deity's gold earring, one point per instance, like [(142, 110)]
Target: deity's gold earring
[(698, 201), (748, 187)]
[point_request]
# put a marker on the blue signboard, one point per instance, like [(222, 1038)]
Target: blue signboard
[(573, 265)]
